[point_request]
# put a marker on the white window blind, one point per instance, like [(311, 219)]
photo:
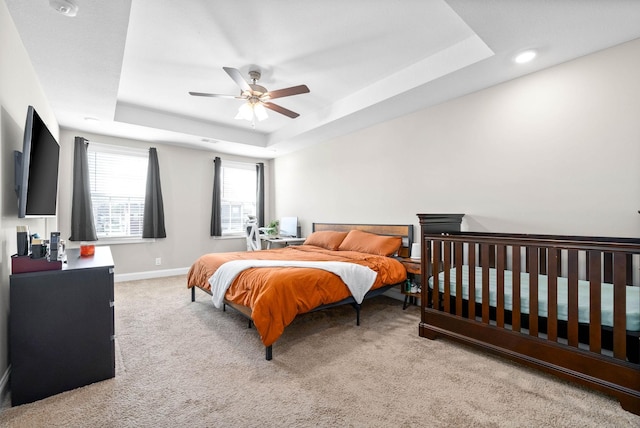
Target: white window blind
[(118, 178), (238, 199)]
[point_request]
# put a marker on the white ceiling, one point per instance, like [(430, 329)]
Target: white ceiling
[(130, 63)]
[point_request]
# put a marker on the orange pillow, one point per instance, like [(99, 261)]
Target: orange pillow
[(371, 243), (328, 239)]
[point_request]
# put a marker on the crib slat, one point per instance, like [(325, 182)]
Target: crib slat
[(552, 296), (533, 291), (595, 297), (516, 266), (619, 305), (447, 277), (609, 267), (472, 280), (435, 264), (484, 253), (572, 298), (458, 264), (501, 252)]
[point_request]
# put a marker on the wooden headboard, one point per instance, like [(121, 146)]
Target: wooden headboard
[(403, 230)]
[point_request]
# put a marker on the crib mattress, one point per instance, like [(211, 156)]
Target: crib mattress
[(632, 295)]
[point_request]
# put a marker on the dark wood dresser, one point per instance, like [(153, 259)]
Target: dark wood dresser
[(61, 330)]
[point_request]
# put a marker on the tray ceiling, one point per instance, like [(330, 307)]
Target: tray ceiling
[(124, 68)]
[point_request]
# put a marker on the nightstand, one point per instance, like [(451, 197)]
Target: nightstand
[(413, 267)]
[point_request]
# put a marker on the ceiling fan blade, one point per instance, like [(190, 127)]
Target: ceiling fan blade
[(281, 110), (237, 77), (204, 94), (287, 92)]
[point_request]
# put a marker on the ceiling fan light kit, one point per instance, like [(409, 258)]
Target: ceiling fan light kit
[(251, 111), (257, 97), (260, 112)]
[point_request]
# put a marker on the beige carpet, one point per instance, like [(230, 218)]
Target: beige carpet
[(183, 364)]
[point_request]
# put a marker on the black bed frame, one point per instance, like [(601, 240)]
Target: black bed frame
[(406, 231), (246, 312)]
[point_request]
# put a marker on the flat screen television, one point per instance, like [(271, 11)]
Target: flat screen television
[(37, 169)]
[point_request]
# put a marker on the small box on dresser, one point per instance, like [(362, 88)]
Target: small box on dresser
[(61, 330)]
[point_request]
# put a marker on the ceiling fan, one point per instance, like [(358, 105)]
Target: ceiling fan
[(257, 97)]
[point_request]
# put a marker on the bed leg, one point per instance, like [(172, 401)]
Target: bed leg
[(268, 353), (356, 306), (193, 294)]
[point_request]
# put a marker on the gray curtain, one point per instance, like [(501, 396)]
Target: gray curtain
[(153, 220), (216, 206), (82, 225), (260, 194)]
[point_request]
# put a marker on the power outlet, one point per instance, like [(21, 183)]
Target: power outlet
[(158, 261)]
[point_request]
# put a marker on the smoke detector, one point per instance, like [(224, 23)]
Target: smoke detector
[(64, 7)]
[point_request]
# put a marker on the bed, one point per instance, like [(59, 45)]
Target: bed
[(337, 264), (568, 305)]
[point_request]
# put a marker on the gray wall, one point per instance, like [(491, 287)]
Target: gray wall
[(186, 177), (557, 151), (19, 88)]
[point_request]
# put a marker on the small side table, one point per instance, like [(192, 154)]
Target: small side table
[(413, 268)]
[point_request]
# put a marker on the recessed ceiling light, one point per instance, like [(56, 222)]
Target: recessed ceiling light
[(64, 7), (525, 56)]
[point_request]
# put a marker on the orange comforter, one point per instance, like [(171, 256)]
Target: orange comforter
[(277, 294)]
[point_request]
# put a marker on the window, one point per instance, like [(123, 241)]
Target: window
[(118, 177), (238, 199)]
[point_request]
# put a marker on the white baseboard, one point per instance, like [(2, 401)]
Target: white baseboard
[(149, 274), (4, 384)]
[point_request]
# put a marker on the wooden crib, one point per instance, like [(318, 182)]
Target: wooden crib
[(568, 305)]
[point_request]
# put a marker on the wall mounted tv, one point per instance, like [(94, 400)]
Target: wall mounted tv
[(36, 169)]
